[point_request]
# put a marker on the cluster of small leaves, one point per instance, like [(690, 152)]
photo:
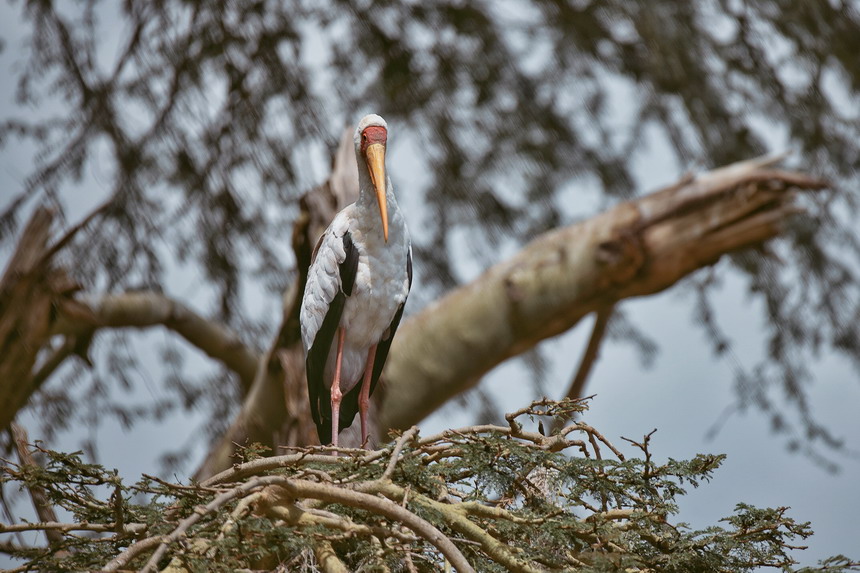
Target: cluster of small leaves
[(87, 494), (509, 498)]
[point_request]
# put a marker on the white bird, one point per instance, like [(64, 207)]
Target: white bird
[(358, 281)]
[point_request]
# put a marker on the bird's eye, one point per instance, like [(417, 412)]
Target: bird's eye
[(364, 137)]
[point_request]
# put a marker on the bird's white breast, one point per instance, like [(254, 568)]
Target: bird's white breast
[(381, 286)]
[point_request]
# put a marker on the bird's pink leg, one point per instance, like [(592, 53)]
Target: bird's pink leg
[(364, 394), (336, 394)]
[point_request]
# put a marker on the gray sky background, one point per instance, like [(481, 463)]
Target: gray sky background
[(682, 395)]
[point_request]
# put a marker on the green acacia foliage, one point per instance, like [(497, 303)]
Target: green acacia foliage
[(201, 117), (508, 497)]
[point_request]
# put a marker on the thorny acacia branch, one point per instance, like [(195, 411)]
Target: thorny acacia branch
[(451, 497)]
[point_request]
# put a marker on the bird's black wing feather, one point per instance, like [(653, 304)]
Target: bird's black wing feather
[(318, 355), (349, 406), (349, 266)]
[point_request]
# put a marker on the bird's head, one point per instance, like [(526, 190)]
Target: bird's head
[(370, 140)]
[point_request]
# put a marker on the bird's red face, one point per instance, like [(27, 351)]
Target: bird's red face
[(371, 135), (373, 141)]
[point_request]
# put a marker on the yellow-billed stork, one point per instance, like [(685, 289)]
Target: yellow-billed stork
[(358, 281)]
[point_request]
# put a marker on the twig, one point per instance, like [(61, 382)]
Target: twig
[(242, 508), (303, 488), (410, 566), (328, 560), (646, 441), (241, 471), (493, 512), (384, 507), (41, 504), (295, 514), (69, 235), (131, 552), (591, 431), (52, 362), (456, 518), (398, 447), (589, 357), (199, 488), (186, 524), (611, 514), (553, 408), (549, 443), (56, 526)]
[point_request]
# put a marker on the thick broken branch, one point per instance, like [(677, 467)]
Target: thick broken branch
[(38, 302), (637, 248), (29, 290), (41, 504)]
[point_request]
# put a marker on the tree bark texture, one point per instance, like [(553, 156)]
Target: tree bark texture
[(637, 248), (29, 293)]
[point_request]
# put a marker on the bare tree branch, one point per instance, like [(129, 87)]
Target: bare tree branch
[(82, 315), (29, 290), (37, 302), (637, 248), (456, 518), (43, 507), (589, 357), (409, 434), (305, 489), (71, 232), (56, 526), (328, 559)]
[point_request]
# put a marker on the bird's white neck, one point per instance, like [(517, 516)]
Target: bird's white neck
[(367, 195)]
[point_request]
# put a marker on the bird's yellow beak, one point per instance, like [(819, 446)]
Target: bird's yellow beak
[(375, 155)]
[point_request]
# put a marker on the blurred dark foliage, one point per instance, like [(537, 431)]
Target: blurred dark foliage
[(205, 114)]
